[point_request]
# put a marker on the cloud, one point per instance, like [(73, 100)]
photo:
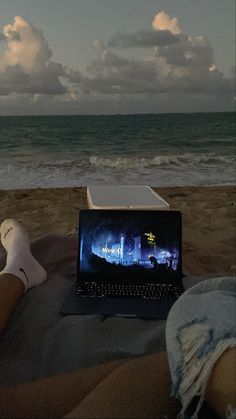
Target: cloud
[(192, 52), (143, 39), (184, 67), (162, 21), (112, 74), (179, 63), (26, 47), (178, 72), (26, 65)]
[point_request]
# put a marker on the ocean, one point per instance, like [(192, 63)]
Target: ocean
[(152, 149)]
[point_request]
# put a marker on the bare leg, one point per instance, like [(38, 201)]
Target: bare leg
[(11, 290), (141, 389), (221, 389), (54, 396), (138, 389)]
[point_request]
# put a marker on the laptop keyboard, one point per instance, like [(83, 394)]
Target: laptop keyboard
[(147, 291)]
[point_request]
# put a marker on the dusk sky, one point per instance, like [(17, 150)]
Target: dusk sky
[(116, 56)]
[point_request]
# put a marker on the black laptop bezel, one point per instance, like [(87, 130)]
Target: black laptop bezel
[(95, 278)]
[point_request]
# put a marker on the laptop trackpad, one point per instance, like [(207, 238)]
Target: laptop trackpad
[(130, 307)]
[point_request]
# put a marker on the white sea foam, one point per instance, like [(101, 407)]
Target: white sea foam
[(174, 170), (162, 160)]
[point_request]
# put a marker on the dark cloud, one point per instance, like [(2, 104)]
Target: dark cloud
[(191, 52), (143, 39), (168, 70), (114, 74), (15, 80)]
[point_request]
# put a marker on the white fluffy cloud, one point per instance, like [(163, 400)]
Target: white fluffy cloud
[(26, 47), (177, 69), (26, 66)]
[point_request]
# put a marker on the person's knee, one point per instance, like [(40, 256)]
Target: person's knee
[(221, 387)]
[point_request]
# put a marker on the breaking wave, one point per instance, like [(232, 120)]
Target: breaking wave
[(187, 159), (163, 170)]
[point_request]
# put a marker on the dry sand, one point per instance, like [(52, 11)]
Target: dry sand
[(209, 229)]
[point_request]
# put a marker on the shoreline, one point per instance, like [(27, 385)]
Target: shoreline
[(33, 188), (209, 227)]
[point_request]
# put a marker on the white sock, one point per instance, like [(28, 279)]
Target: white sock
[(20, 261)]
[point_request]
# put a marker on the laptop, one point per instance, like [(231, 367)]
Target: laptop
[(129, 264)]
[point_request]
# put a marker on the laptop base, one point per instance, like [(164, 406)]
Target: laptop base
[(127, 307)]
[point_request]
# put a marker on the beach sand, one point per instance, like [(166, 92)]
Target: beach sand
[(209, 228)]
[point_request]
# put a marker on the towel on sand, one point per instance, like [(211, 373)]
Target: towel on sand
[(39, 341)]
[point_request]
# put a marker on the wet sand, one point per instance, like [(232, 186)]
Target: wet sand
[(209, 227)]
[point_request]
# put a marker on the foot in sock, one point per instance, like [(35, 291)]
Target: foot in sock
[(20, 261)]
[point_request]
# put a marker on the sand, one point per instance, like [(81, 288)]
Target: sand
[(209, 228)]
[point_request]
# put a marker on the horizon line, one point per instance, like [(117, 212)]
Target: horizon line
[(116, 114)]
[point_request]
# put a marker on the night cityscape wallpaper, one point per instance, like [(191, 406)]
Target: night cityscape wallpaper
[(130, 243)]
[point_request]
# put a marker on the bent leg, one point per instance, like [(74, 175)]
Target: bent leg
[(22, 270)]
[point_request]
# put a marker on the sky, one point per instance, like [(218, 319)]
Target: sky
[(116, 56)]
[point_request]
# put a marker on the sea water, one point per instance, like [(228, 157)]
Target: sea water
[(152, 149)]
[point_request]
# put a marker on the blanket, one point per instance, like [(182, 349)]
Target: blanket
[(40, 342)]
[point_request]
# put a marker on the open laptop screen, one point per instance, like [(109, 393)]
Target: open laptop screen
[(123, 245)]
